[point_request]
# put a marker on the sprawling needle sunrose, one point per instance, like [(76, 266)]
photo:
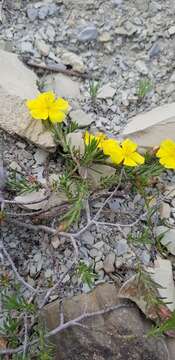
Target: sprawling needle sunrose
[(99, 137), (47, 107), (166, 154), (125, 153), (112, 148), (130, 156)]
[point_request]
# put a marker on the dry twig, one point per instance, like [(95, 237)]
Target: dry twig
[(63, 326), (19, 277)]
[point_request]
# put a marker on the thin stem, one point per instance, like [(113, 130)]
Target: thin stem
[(61, 327), (19, 277)]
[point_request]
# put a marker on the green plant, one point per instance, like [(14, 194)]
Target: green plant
[(148, 289), (21, 184), (142, 237), (77, 202), (92, 153), (109, 181), (167, 326), (16, 302), (144, 87), (85, 274), (45, 348), (94, 87)]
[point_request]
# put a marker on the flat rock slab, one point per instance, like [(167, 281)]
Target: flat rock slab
[(108, 337), (63, 86), (15, 119), (17, 83), (150, 128), (15, 78)]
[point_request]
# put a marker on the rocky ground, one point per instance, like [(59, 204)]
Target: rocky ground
[(119, 43)]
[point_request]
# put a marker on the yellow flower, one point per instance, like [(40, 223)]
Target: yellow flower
[(130, 156), (45, 106), (112, 148), (100, 137), (166, 154)]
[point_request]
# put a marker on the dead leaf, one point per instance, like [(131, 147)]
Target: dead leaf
[(3, 343)]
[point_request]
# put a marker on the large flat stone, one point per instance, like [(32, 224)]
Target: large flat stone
[(17, 83), (150, 128), (106, 337), (63, 86), (15, 78)]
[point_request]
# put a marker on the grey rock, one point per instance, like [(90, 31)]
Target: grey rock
[(169, 192), (99, 244), (99, 340), (108, 264), (63, 86), (154, 51), (105, 37), (81, 118), (128, 30), (43, 12), (168, 239), (88, 33), (15, 166), (32, 13), (150, 128), (86, 289), (172, 78), (141, 67), (32, 270), (50, 33), (26, 47), (40, 156), (66, 279), (106, 92), (14, 90), (52, 8), (88, 238), (48, 273), (73, 60), (145, 257), (117, 2), (121, 247), (98, 266), (42, 47), (76, 141), (95, 253), (165, 211), (171, 30)]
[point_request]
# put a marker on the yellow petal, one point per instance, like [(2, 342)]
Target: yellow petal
[(111, 148), (99, 138), (31, 104), (110, 145), (88, 137), (134, 159), (39, 114), (47, 98), (37, 109), (129, 162), (116, 157), (56, 116), (139, 159), (167, 147), (62, 104), (168, 162), (128, 147)]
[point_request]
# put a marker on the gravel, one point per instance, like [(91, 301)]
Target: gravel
[(119, 43)]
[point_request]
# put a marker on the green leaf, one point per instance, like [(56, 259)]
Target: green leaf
[(86, 274), (168, 325)]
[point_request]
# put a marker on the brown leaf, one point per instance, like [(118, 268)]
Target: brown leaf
[(3, 343)]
